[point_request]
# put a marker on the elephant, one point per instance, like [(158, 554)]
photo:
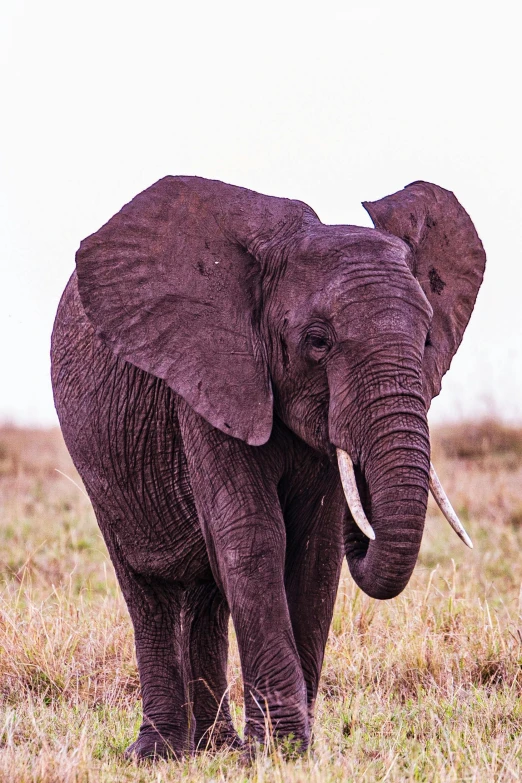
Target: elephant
[(244, 392)]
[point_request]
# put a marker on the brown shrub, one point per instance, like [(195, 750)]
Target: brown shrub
[(474, 440)]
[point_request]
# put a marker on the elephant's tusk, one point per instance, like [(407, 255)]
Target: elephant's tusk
[(447, 509), (352, 494)]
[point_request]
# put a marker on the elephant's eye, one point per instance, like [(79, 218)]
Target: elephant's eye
[(317, 343)]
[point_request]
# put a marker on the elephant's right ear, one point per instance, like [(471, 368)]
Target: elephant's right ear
[(447, 259), (172, 284)]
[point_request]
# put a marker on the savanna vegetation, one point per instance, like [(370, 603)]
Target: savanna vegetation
[(426, 687)]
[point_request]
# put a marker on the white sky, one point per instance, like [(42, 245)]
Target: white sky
[(331, 102)]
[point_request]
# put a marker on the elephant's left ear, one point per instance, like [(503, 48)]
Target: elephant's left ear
[(448, 260), (172, 284)]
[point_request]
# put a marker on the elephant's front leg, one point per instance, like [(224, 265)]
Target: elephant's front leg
[(235, 492), (314, 555)]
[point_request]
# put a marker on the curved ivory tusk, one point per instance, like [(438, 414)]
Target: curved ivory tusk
[(447, 509), (352, 493)]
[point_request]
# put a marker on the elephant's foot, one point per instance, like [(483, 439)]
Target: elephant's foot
[(153, 745), (220, 735), (285, 744)]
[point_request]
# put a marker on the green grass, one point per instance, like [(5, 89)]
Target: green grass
[(423, 688)]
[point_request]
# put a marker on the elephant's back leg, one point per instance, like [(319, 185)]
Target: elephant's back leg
[(155, 607), (205, 636), (121, 428)]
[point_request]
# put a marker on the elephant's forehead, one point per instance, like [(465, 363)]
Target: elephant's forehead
[(337, 269), (362, 271), (380, 316), (334, 255), (378, 295), (335, 260), (357, 243)]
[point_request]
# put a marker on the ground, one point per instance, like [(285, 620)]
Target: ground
[(422, 688)]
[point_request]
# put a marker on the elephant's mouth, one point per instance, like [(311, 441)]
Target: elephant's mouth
[(356, 493)]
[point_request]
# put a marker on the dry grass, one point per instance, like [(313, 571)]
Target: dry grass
[(423, 688)]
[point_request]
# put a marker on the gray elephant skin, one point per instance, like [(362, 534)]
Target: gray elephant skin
[(211, 353)]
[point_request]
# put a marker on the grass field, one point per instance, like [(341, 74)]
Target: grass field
[(423, 688)]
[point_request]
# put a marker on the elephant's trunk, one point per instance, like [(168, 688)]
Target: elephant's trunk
[(389, 445), (393, 484), (351, 493)]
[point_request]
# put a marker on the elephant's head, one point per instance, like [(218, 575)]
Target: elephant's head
[(243, 302)]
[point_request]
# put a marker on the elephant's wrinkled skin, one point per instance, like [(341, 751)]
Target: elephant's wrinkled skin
[(212, 350)]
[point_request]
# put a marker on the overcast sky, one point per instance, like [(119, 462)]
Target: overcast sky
[(331, 103)]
